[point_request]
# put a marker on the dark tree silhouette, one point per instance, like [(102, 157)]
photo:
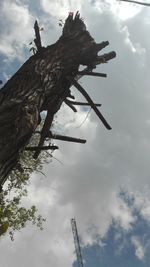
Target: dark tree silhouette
[(43, 83)]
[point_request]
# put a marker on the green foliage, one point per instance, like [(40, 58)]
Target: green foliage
[(13, 215)]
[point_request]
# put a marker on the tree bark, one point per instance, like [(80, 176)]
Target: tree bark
[(42, 83)]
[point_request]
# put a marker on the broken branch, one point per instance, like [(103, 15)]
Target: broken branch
[(101, 45), (85, 94), (36, 148), (70, 105), (97, 74), (45, 129), (104, 58), (64, 138), (37, 39), (76, 103)]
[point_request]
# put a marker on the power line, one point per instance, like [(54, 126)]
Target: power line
[(136, 2)]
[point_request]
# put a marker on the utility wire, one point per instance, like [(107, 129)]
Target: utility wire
[(136, 2)]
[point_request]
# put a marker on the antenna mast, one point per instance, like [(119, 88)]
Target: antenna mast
[(76, 242)]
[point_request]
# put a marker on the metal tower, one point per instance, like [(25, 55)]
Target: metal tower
[(76, 242)]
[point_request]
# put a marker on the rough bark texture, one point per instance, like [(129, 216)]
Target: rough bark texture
[(43, 83)]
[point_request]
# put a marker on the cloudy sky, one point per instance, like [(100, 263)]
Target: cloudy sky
[(104, 184)]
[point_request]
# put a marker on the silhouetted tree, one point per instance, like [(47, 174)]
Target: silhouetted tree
[(43, 83)]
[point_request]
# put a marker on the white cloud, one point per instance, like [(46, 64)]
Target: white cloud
[(139, 249), (17, 24), (87, 183), (60, 8), (121, 10), (122, 215), (125, 10), (142, 203)]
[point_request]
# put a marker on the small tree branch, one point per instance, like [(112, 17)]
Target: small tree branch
[(97, 74), (101, 45), (100, 59), (104, 58), (36, 148), (76, 103), (85, 94), (64, 138), (45, 129), (70, 96), (70, 105), (37, 39)]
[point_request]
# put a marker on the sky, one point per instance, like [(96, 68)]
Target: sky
[(104, 184)]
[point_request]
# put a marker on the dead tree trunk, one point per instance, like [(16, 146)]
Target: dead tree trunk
[(43, 83)]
